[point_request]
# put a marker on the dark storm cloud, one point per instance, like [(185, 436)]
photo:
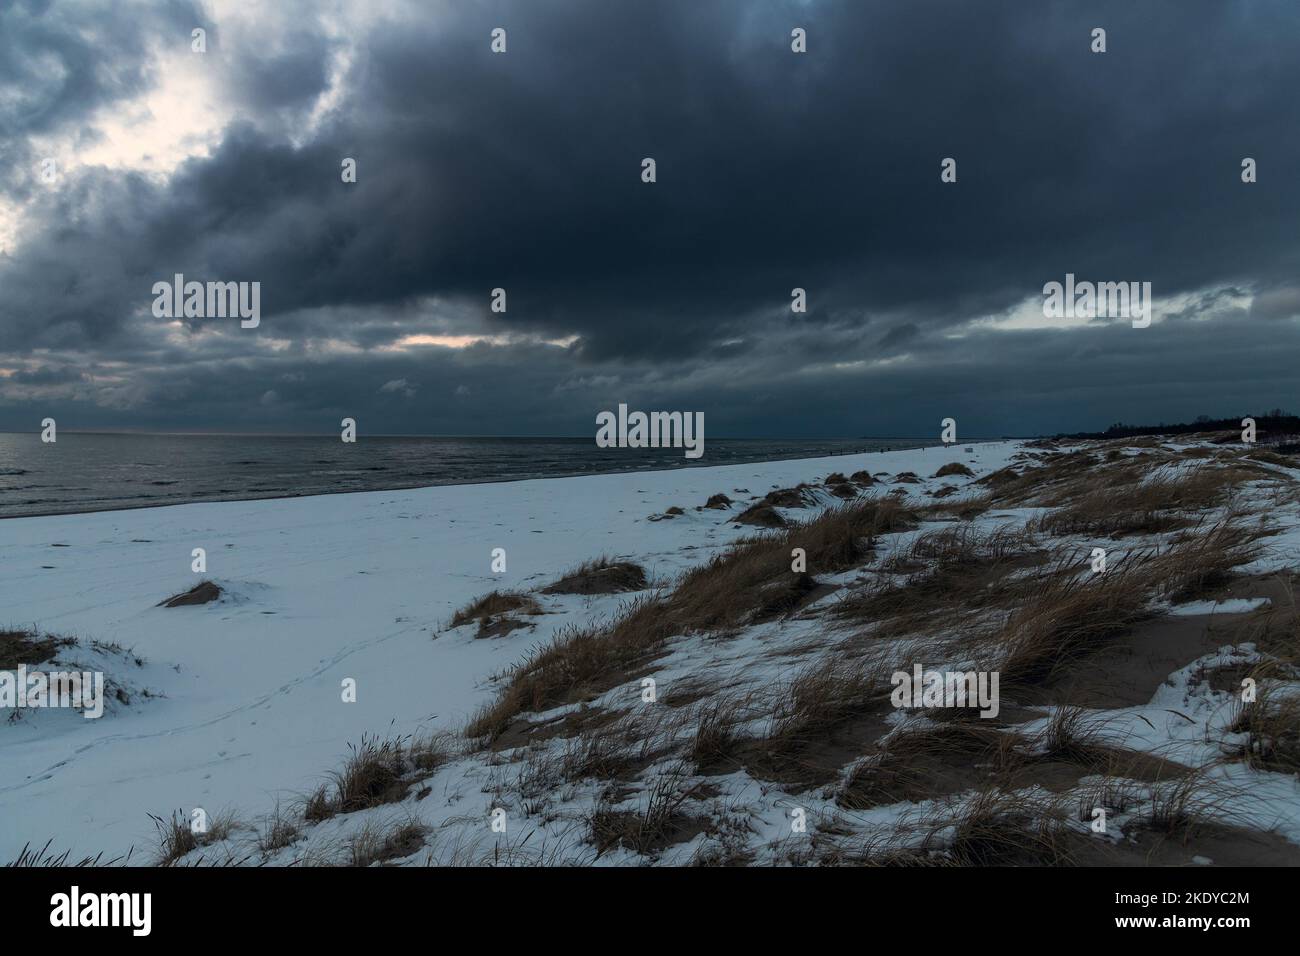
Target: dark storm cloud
[(294, 74), (58, 65), (775, 170), (1000, 382), (47, 375)]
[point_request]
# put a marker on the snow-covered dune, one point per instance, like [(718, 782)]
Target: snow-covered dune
[(238, 703)]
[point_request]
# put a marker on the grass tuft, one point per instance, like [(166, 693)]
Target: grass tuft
[(601, 576)]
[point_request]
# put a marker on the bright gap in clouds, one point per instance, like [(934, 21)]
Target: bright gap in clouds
[(1029, 315), (188, 105)]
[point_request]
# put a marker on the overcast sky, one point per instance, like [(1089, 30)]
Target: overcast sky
[(522, 170)]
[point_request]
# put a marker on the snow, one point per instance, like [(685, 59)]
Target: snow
[(247, 708), (238, 705), (1230, 606)]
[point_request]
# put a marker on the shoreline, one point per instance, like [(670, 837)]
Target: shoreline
[(484, 481)]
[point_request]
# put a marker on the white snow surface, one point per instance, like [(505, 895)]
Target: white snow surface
[(1230, 606), (246, 707), (237, 705)]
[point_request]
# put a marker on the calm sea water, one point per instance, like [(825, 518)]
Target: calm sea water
[(85, 472)]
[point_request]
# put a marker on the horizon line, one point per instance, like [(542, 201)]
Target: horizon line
[(325, 434)]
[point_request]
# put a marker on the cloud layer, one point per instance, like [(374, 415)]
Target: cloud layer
[(478, 170)]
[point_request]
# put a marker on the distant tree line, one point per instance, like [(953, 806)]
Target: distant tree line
[(1272, 426)]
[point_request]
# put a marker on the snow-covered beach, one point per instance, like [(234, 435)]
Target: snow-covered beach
[(246, 704), (238, 706)]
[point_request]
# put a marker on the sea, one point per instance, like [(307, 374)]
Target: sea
[(85, 471)]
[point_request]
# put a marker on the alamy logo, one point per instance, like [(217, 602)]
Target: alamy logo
[(923, 688), (1088, 300), (103, 909), (212, 300), (655, 430), (23, 688)]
